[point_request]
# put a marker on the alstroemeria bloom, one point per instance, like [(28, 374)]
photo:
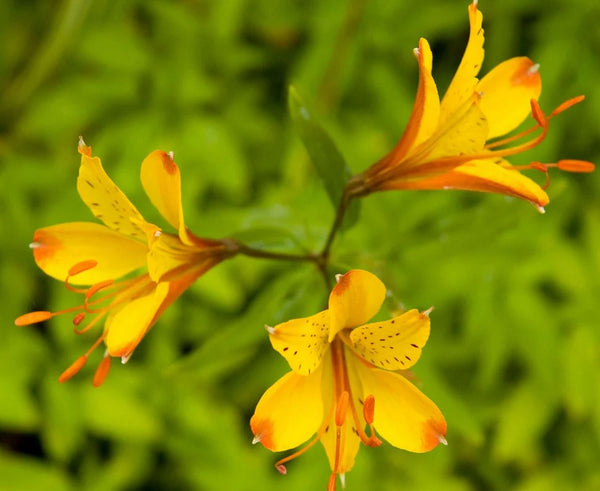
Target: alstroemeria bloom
[(343, 380), (95, 255), (460, 143)]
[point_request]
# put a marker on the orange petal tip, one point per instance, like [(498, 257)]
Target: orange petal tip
[(32, 318)]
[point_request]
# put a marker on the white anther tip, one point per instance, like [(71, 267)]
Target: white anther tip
[(541, 209), (442, 440), (81, 143), (475, 3), (256, 439), (416, 52), (157, 234), (35, 245), (337, 277), (343, 480), (533, 69), (170, 154), (270, 329), (125, 358), (428, 311)]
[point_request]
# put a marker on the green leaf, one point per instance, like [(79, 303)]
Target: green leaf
[(327, 159)]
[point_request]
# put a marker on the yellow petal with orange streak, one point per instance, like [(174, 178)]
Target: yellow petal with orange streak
[(403, 415), (463, 84), (349, 444), (356, 298), (506, 93), (289, 412), (485, 176), (126, 328), (426, 110), (161, 180), (106, 201), (394, 344), (302, 342), (59, 247)]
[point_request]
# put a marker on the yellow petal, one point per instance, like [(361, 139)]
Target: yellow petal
[(302, 342), (162, 182), (289, 412), (59, 247), (506, 93), (465, 133), (128, 326), (106, 201), (404, 416), (485, 176), (356, 298), (395, 344), (463, 84), (426, 111)]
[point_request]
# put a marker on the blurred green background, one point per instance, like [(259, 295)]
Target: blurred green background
[(514, 356)]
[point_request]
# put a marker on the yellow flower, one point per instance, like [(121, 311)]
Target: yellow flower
[(343, 380), (456, 144), (82, 253)]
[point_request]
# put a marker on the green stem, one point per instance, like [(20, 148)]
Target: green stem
[(281, 256)]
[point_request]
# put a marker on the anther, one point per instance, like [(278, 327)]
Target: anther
[(78, 318), (73, 369), (538, 114), (270, 329), (369, 409), (575, 165), (281, 469), (33, 318), (97, 287), (82, 266), (102, 371)]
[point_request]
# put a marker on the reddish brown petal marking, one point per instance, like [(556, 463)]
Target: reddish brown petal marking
[(263, 430), (168, 163)]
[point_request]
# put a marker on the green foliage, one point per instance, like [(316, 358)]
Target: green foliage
[(513, 359)]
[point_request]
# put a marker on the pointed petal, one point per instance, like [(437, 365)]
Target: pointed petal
[(463, 84), (59, 247), (404, 416), (128, 326), (356, 298), (302, 342), (506, 93), (289, 412), (395, 344), (106, 201), (426, 111), (162, 182), (485, 176)]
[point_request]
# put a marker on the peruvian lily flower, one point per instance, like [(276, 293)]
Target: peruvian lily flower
[(344, 380), (460, 142), (99, 256)]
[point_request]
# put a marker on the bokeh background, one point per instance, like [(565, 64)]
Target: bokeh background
[(514, 355)]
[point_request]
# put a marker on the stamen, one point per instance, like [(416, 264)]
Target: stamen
[(78, 318), (331, 483), (567, 104), (281, 469), (342, 408), (102, 371), (369, 409), (538, 114), (570, 165), (33, 318), (73, 369), (82, 266)]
